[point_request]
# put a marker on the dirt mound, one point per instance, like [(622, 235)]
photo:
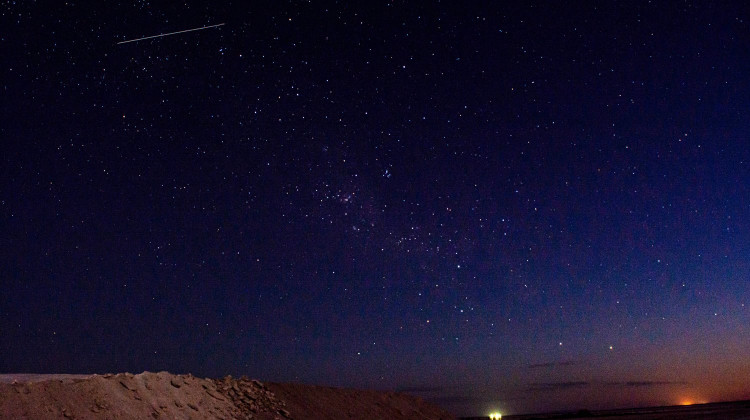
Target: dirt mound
[(166, 396), (318, 402)]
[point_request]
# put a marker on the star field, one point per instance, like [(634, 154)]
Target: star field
[(517, 206)]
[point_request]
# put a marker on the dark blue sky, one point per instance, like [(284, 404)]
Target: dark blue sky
[(517, 206)]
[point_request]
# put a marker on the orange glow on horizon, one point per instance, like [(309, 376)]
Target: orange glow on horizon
[(691, 401)]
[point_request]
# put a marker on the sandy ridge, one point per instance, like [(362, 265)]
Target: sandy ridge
[(164, 395)]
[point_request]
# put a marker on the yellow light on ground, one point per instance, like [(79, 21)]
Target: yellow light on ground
[(495, 416)]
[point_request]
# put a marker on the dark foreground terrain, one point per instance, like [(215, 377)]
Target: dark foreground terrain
[(167, 396), (716, 411)]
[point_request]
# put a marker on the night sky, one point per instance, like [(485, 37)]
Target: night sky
[(504, 205)]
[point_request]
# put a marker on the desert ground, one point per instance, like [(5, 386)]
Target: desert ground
[(168, 396)]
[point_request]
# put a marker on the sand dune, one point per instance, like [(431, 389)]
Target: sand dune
[(167, 396)]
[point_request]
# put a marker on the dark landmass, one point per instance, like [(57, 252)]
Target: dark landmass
[(724, 410)]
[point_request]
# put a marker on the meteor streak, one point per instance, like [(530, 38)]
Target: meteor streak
[(170, 33)]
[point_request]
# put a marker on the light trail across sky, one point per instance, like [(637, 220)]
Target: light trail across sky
[(171, 33)]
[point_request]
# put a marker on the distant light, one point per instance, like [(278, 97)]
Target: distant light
[(496, 415), (688, 401)]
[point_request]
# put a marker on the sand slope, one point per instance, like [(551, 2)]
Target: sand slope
[(166, 396)]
